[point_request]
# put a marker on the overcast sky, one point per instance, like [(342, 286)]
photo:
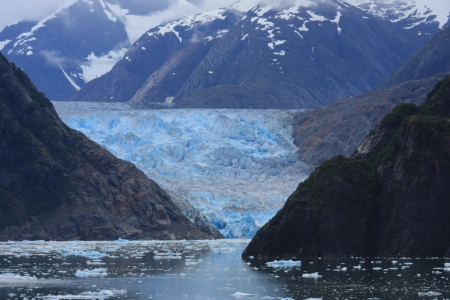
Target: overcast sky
[(36, 10)]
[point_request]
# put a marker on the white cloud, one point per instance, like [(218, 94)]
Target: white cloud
[(26, 10), (13, 11)]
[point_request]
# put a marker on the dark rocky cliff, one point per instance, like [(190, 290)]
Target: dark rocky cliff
[(57, 184), (391, 198)]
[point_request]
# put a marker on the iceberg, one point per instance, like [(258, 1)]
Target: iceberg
[(312, 275), (430, 293), (91, 273), (236, 167), (15, 277), (88, 254), (101, 295), (168, 255), (240, 294), (283, 263)]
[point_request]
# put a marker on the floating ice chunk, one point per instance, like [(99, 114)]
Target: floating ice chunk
[(95, 262), (394, 262), (101, 295), (91, 273), (377, 268), (312, 275), (283, 263), (430, 293), (15, 277), (89, 254), (447, 265), (122, 240), (168, 255), (314, 299), (239, 294)]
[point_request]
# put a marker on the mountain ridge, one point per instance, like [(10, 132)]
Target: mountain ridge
[(390, 198), (55, 184), (271, 58)]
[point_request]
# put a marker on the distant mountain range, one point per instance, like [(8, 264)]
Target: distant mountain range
[(80, 41), (305, 54)]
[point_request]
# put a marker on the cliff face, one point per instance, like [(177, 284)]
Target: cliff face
[(339, 128), (57, 184), (391, 198)]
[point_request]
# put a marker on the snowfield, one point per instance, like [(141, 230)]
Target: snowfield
[(237, 167)]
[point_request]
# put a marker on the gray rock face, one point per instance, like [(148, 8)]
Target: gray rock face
[(391, 198), (57, 184), (339, 128)]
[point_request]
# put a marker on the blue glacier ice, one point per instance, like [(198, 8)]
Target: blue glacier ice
[(237, 167)]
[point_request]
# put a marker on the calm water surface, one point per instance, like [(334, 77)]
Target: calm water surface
[(205, 270)]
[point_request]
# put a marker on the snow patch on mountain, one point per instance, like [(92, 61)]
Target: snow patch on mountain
[(95, 66), (72, 82), (188, 22), (237, 167), (107, 11), (23, 38), (4, 43), (423, 11)]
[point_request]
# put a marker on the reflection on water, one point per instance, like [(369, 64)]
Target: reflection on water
[(205, 270)]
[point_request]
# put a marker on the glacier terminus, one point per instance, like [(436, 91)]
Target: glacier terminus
[(236, 167)]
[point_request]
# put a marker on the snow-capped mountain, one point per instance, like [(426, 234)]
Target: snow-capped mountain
[(295, 54), (423, 16), (235, 166), (80, 41), (159, 50)]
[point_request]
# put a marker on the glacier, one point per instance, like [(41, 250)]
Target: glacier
[(236, 167)]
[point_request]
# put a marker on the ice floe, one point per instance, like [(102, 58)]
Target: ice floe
[(91, 273), (283, 263)]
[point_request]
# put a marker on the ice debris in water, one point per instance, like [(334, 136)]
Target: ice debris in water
[(446, 266), (312, 275), (91, 273), (430, 293), (89, 254), (168, 255), (101, 295), (13, 277), (239, 294), (283, 263)]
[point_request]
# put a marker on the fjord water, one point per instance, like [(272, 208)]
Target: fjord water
[(237, 167), (205, 270)]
